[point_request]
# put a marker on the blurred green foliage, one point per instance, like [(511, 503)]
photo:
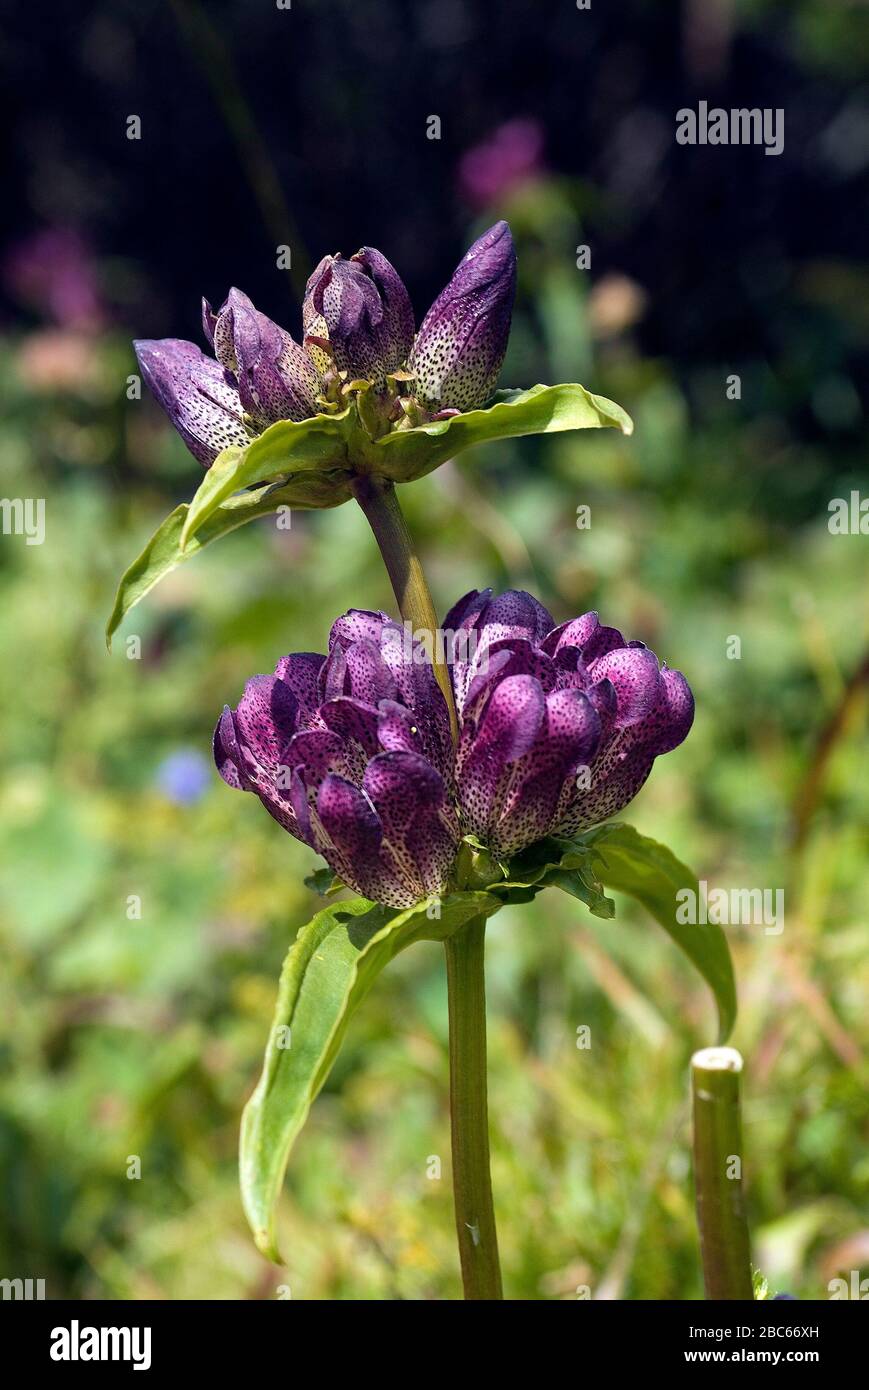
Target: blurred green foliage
[(142, 1036)]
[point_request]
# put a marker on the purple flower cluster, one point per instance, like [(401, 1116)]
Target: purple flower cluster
[(558, 729), (358, 326)]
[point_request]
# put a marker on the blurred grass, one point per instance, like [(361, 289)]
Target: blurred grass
[(142, 1037)]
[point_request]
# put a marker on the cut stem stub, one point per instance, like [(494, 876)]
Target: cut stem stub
[(724, 1241)]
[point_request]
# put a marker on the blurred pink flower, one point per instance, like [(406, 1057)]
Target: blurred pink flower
[(509, 157), (54, 273)]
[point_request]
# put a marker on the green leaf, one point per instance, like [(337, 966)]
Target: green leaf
[(407, 454), (649, 872), (164, 551), (311, 464), (561, 863), (291, 447), (324, 882), (327, 973)]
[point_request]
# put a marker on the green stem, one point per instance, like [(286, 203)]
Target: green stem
[(724, 1241), (466, 993), (379, 502), (472, 1183)]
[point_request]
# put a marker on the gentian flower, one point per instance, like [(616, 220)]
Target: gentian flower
[(462, 340), (560, 725), (358, 332), (558, 729), (359, 314), (351, 753)]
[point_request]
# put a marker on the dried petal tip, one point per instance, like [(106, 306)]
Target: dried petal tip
[(197, 394), (358, 313), (461, 344)]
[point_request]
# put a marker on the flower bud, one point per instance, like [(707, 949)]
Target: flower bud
[(461, 343), (358, 314), (276, 378)]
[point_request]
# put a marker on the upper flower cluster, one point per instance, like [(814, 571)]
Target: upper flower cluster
[(358, 334), (558, 729)]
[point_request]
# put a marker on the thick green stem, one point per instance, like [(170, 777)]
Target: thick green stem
[(379, 502), (472, 1183), (724, 1240)]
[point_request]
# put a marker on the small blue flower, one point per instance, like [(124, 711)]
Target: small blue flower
[(184, 776)]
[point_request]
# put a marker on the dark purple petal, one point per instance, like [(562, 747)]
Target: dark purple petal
[(355, 720), (196, 393), (209, 322), (463, 613), (333, 679), (301, 672), (601, 641), (276, 378), (633, 671), (507, 657), (626, 758), (398, 730), (511, 721), (265, 721), (227, 754), (515, 614), (462, 340), (479, 622), (359, 624), (568, 741), (415, 686), (316, 752), (352, 828), (420, 832), (671, 720), (604, 699), (397, 324), (369, 677), (575, 633)]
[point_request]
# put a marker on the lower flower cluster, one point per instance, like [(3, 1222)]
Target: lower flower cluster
[(352, 752)]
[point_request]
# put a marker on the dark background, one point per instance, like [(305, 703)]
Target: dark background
[(308, 126)]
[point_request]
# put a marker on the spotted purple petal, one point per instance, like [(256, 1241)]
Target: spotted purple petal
[(462, 340), (358, 312), (276, 378), (197, 394)]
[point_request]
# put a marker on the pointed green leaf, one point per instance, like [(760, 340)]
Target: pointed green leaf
[(164, 551), (289, 448), (651, 873), (328, 971), (407, 454)]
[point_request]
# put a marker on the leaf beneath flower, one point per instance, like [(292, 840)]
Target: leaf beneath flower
[(408, 454), (291, 447), (327, 973), (164, 551), (631, 863)]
